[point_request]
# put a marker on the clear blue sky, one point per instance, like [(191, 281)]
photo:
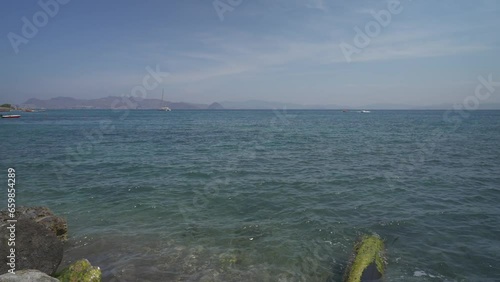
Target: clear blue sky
[(431, 52)]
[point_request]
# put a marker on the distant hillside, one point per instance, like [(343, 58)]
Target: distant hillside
[(119, 102), (215, 106), (260, 105), (113, 103), (266, 105)]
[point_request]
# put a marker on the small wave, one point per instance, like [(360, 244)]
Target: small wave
[(420, 273)]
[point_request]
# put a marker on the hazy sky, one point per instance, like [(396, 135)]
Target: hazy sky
[(428, 52)]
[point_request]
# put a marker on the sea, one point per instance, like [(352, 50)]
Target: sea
[(264, 195)]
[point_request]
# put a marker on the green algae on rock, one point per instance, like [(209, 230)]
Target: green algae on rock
[(227, 260), (80, 271), (368, 263)]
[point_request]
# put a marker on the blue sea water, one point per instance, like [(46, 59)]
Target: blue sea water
[(264, 195)]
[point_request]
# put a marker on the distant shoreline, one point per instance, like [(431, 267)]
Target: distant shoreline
[(114, 102), (270, 109)]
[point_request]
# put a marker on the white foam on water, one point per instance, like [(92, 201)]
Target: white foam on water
[(419, 273)]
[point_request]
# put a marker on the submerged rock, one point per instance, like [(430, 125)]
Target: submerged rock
[(43, 216), (35, 247), (228, 260), (27, 275), (368, 263), (80, 271)]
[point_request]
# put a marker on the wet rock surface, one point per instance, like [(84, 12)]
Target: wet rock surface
[(43, 216), (36, 247), (28, 275)]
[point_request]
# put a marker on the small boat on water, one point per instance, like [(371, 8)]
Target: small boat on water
[(365, 112), (11, 116), (164, 108)]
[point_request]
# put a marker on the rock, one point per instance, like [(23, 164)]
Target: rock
[(43, 216), (27, 275), (215, 106), (228, 260), (36, 247), (369, 262), (80, 271)]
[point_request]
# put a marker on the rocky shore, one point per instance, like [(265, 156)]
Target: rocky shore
[(36, 250)]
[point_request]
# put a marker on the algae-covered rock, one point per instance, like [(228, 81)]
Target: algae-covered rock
[(27, 275), (80, 271), (368, 263), (227, 260)]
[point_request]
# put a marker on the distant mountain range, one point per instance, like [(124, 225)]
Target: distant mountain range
[(258, 104), (119, 102), (113, 103)]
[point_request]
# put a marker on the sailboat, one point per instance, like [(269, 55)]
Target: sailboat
[(164, 108)]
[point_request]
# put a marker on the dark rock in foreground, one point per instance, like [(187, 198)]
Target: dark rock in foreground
[(28, 275), (44, 217), (36, 247)]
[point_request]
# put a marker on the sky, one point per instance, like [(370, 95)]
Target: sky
[(323, 52)]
